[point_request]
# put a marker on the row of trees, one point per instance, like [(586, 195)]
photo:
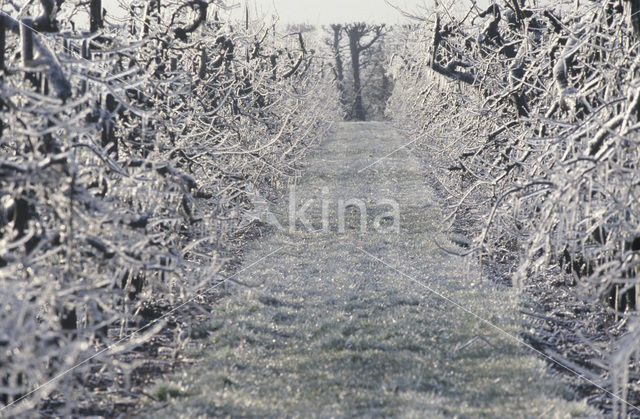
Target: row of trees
[(126, 155), (528, 114)]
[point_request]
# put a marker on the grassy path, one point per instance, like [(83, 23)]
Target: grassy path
[(351, 324)]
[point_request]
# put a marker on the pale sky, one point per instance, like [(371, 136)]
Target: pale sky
[(335, 11), (318, 12)]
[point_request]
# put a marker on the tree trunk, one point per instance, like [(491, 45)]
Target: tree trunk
[(2, 43), (95, 19), (633, 11), (337, 34), (354, 46)]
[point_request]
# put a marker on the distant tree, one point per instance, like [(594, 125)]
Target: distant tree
[(377, 85), (335, 45), (300, 27), (357, 34)]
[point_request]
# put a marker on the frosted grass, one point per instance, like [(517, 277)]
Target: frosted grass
[(335, 333)]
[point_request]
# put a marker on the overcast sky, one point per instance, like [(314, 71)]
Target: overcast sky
[(334, 11), (319, 11)]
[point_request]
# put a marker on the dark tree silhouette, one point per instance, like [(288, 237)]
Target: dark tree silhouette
[(339, 65), (357, 32)]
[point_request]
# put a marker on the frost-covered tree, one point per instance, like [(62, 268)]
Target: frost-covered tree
[(126, 153), (527, 113)]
